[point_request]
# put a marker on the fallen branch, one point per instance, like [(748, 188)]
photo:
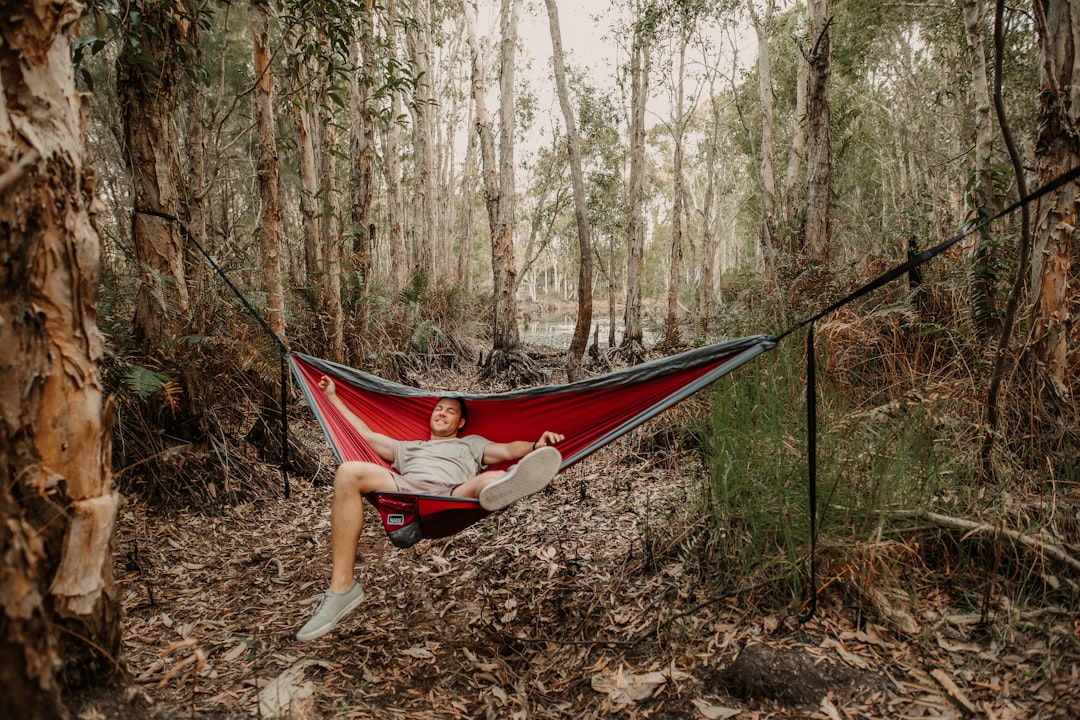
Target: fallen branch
[(1046, 547)]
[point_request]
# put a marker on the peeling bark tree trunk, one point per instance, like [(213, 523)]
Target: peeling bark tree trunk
[(147, 89), (302, 77), (59, 612), (270, 220), (581, 214), (818, 221), (395, 201), (1057, 150)]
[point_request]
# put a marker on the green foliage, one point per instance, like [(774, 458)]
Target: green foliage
[(143, 381), (871, 463)]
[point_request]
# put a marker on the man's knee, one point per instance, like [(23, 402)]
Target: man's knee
[(361, 477)]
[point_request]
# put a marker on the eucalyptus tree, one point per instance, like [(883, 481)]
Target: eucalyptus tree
[(362, 154), (1054, 280), (766, 173), (817, 222), (984, 273), (499, 180), (268, 169), (639, 67), (59, 607), (583, 322), (390, 126), (423, 108), (148, 85)]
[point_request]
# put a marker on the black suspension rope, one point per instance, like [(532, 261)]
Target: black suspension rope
[(811, 385), (811, 469), (282, 347)]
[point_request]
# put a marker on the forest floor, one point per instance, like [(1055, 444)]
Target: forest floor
[(572, 603)]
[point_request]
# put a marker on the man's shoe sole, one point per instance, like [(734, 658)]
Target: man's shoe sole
[(532, 474)]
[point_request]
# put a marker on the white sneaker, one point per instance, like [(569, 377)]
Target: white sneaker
[(329, 610), (532, 474)]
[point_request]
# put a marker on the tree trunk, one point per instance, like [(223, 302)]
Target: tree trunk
[(708, 215), (505, 336), (196, 188), (362, 161), (581, 214), (330, 225), (306, 141), (635, 225), (984, 310), (424, 230), (147, 89), (499, 208), (818, 221), (59, 611), (468, 188), (1057, 150), (269, 174), (793, 174), (395, 200), (671, 324), (766, 174)]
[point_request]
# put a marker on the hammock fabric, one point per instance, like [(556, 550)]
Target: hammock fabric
[(590, 413)]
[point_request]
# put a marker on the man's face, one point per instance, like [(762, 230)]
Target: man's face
[(446, 418)]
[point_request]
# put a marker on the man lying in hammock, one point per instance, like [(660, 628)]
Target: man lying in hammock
[(444, 464)]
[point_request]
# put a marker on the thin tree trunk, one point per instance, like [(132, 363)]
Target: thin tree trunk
[(635, 226), (330, 226), (59, 606), (766, 174), (793, 175), (817, 225), (983, 272), (362, 162), (395, 199), (1057, 150), (581, 214), (468, 187), (424, 230), (708, 216), (196, 187), (505, 336), (269, 173), (306, 140), (671, 325)]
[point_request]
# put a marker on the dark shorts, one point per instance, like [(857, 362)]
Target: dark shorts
[(421, 486)]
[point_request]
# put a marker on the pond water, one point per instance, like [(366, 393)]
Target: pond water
[(558, 331)]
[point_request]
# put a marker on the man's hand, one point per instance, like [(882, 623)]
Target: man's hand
[(548, 438), (327, 386)]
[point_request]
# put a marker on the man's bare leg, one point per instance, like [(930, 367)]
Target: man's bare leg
[(352, 481), (471, 488)]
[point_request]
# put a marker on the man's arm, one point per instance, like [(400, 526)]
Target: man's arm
[(383, 445), (501, 452)]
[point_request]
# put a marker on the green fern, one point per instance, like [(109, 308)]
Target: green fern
[(143, 381)]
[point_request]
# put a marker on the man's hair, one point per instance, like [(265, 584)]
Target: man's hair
[(461, 404)]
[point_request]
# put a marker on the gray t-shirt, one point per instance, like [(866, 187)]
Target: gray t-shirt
[(450, 460)]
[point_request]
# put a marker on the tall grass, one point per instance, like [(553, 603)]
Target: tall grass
[(871, 463)]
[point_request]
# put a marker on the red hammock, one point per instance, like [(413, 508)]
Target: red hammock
[(590, 413)]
